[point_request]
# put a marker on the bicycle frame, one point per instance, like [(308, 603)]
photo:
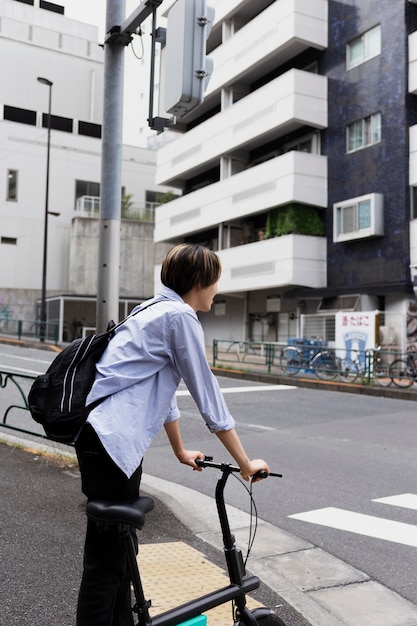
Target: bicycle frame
[(128, 515)]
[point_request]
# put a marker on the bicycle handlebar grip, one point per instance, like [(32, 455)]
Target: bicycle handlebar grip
[(261, 474)]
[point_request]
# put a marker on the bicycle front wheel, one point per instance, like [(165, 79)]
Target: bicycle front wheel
[(401, 374), (382, 374), (325, 366), (348, 370), (290, 361), (265, 620)]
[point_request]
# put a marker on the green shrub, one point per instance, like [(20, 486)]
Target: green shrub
[(293, 219)]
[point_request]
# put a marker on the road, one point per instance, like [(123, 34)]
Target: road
[(340, 455)]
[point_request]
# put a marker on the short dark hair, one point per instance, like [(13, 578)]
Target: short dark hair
[(189, 265)]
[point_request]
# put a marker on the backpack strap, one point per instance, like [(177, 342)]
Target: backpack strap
[(112, 327)]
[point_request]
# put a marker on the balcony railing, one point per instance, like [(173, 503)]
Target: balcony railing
[(89, 206), (292, 177), (290, 260), (291, 101), (277, 34)]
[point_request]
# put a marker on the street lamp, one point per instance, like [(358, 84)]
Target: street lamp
[(42, 329)]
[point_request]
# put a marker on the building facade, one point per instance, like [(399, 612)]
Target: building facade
[(300, 168), (38, 41)]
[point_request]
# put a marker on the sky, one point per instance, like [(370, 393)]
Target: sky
[(135, 108)]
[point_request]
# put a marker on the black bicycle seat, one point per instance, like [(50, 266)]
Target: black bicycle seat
[(131, 512)]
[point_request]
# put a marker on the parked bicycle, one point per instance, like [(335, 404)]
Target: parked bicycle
[(125, 516), (403, 372), (372, 365), (324, 363)]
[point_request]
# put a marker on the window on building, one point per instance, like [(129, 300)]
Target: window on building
[(364, 47), (11, 185), (87, 196), (307, 143), (23, 116), (86, 188), (51, 6), (414, 203), (363, 133), (89, 129), (58, 123), (358, 218), (9, 241)]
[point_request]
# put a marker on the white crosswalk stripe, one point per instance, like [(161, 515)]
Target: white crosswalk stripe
[(367, 525), (404, 500), (224, 390)]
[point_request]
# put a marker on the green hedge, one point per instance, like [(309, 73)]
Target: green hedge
[(293, 219)]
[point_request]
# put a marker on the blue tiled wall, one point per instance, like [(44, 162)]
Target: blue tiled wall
[(378, 85)]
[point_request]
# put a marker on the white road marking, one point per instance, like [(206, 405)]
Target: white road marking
[(185, 392), (368, 525), (23, 358), (19, 370), (404, 500)]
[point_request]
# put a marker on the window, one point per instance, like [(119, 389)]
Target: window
[(363, 133), (358, 218), (58, 123), (23, 116), (51, 6), (307, 143), (364, 47), (9, 241), (11, 185), (413, 203), (89, 129)]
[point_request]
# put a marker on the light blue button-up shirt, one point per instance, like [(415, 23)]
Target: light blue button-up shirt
[(139, 373)]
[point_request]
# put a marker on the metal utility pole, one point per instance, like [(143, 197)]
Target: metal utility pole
[(111, 184), (118, 35)]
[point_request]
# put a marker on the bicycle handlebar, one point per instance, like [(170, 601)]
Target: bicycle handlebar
[(228, 468)]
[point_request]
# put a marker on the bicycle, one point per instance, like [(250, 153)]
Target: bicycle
[(372, 366), (403, 372), (324, 363), (126, 516)]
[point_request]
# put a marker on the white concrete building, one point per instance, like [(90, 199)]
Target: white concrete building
[(37, 40), (230, 179), (299, 168)]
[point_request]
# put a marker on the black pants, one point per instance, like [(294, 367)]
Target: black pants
[(104, 598)]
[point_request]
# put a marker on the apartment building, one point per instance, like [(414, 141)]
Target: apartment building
[(300, 169), (37, 41)]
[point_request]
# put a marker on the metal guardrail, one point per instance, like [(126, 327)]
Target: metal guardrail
[(29, 329), (18, 386), (265, 357)]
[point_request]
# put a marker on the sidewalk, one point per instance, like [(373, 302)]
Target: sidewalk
[(43, 552)]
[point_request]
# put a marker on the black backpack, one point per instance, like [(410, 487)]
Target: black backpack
[(57, 398)]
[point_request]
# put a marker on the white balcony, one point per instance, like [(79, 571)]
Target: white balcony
[(295, 99), (291, 260), (279, 33), (292, 177), (412, 63)]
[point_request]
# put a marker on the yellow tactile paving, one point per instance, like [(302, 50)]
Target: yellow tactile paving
[(173, 573)]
